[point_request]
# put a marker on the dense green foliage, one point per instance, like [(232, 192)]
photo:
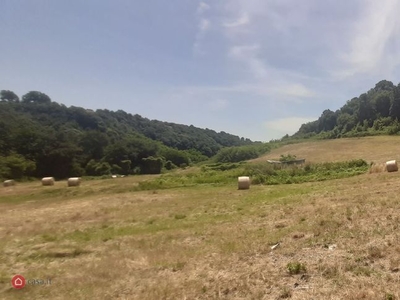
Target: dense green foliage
[(39, 138), (237, 154), (276, 174), (372, 113), (260, 173), (288, 157)]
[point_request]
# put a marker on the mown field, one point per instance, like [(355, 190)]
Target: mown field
[(107, 239), (376, 149)]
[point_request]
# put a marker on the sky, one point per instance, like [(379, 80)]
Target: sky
[(253, 68)]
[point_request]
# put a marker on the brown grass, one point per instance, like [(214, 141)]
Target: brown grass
[(372, 149), (102, 242)]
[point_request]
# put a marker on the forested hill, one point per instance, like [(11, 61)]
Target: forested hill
[(374, 112), (39, 137)]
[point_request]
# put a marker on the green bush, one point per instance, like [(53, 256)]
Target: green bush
[(175, 156), (242, 153), (260, 173), (169, 165), (288, 157), (152, 165), (15, 166)]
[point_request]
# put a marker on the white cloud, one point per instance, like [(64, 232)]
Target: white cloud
[(282, 92), (202, 7), (298, 90), (243, 51), (370, 39), (268, 81), (248, 54), (203, 26), (288, 125), (243, 20)]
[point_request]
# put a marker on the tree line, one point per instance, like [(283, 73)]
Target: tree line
[(40, 137), (374, 112)]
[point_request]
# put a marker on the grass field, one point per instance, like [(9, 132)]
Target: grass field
[(338, 239), (376, 149)]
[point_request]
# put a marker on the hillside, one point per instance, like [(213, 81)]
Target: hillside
[(374, 112), (333, 239), (40, 137), (376, 149)]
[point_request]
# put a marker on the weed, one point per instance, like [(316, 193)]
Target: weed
[(296, 268), (180, 217), (389, 296)]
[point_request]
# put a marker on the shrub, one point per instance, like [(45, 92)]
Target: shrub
[(175, 156), (220, 166), (288, 157), (152, 165), (169, 165), (242, 153), (16, 166)]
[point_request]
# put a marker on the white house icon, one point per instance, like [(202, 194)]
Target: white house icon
[(18, 282)]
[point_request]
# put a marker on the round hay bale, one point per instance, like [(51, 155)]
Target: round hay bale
[(9, 182), (48, 181), (391, 166), (243, 183), (74, 181)]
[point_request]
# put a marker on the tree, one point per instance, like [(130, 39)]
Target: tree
[(15, 166), (365, 111), (35, 97), (175, 156), (382, 104), (152, 165), (395, 105), (327, 121), (346, 122), (8, 96), (384, 85), (125, 166), (351, 106), (93, 144), (94, 168), (308, 127)]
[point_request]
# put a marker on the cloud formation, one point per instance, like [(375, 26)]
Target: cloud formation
[(202, 7), (287, 125), (224, 61), (374, 44), (203, 26), (243, 20)]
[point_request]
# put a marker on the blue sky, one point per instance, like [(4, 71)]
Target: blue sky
[(253, 68)]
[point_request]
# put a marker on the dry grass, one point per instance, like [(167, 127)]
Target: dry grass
[(377, 168), (371, 149), (337, 240)]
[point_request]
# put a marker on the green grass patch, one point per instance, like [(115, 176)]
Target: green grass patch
[(296, 268), (261, 173)]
